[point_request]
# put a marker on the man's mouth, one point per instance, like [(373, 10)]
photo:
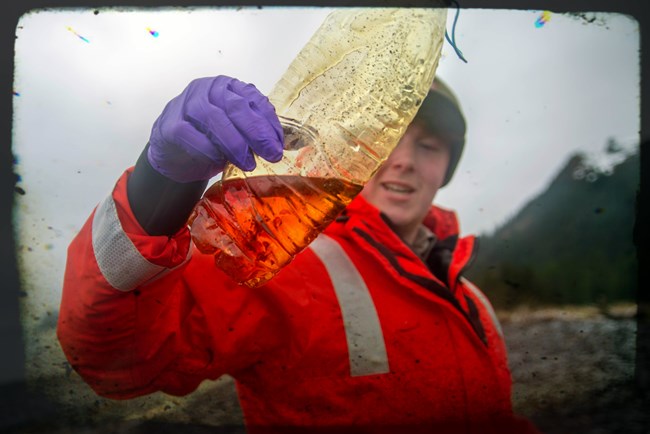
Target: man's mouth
[(397, 188)]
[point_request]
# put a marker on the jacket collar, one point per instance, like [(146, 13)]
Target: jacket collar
[(442, 222), (446, 261), (450, 255)]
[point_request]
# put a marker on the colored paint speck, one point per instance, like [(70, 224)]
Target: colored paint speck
[(543, 19), (77, 34), (16, 93), (152, 32)]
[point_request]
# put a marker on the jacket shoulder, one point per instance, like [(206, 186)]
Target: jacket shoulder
[(482, 302)]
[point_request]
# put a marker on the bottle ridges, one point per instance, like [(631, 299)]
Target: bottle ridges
[(255, 226)]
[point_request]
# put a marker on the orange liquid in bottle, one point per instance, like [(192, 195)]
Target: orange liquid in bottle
[(256, 226)]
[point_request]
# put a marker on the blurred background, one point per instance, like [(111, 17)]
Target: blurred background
[(548, 181)]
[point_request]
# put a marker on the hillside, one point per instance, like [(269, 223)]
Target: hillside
[(570, 244)]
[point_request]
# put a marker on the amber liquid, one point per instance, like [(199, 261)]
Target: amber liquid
[(256, 226)]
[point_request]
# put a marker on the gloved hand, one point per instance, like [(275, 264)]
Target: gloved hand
[(214, 120)]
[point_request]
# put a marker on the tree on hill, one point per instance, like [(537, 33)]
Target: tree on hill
[(572, 244)]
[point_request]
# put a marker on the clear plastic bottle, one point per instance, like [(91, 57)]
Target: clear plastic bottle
[(344, 103)]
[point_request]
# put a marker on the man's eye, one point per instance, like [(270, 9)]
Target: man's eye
[(429, 146)]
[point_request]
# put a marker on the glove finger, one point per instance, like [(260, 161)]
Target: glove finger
[(258, 132), (223, 136), (232, 96), (258, 102)]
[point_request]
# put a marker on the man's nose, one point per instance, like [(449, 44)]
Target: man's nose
[(403, 156)]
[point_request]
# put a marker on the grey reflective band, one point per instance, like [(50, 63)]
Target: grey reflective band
[(485, 303), (120, 262), (365, 339)]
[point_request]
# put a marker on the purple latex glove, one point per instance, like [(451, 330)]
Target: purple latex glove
[(213, 121)]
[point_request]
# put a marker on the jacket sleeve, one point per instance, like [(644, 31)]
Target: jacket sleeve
[(142, 313), (121, 284)]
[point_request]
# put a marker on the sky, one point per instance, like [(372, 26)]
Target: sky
[(90, 83)]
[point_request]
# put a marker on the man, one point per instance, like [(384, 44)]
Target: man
[(370, 328)]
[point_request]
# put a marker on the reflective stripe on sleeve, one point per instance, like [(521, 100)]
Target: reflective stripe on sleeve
[(366, 347), (485, 303), (120, 262)]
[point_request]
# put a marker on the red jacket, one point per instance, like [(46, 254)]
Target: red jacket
[(356, 331)]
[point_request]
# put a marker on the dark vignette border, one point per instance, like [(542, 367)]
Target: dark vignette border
[(18, 405)]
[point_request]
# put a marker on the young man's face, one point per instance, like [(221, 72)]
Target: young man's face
[(404, 187)]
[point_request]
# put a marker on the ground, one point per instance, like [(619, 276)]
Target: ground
[(573, 371)]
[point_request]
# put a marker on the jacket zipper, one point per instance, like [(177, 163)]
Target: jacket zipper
[(425, 282)]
